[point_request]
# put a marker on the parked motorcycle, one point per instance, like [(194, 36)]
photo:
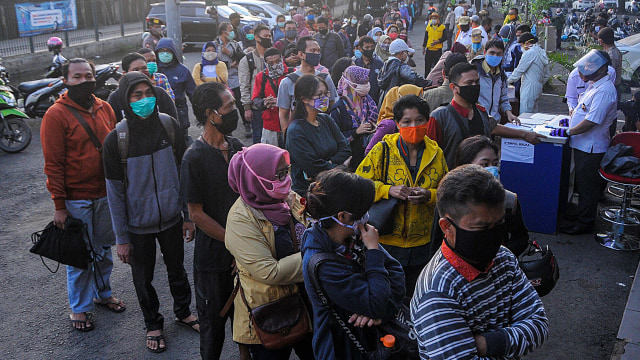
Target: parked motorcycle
[(15, 134), (107, 77), (4, 74)]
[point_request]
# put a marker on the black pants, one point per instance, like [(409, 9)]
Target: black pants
[(256, 126), (143, 265), (589, 184), (304, 350), (431, 58), (212, 291), (237, 95)]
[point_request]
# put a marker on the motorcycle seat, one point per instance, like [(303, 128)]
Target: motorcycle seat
[(31, 86)]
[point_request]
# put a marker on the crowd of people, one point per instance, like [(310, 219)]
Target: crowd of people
[(340, 122)]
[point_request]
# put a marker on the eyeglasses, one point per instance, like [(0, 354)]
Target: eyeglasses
[(282, 173), (320, 96)]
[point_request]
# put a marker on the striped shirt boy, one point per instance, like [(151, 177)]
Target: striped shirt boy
[(453, 301)]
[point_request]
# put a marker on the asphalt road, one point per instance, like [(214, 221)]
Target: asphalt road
[(584, 309)]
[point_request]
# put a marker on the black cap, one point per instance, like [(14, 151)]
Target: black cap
[(155, 21)]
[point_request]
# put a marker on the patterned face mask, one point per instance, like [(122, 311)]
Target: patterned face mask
[(275, 70)]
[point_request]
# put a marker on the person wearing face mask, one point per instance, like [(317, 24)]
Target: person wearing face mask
[(75, 179), (369, 60), (204, 186), (309, 53), (137, 62), (589, 136), (210, 68), (264, 97), (472, 296), (311, 20), (382, 47), (450, 25), (460, 10), (365, 26), (434, 35), (363, 291), (155, 33), (355, 112), (464, 117), (352, 29), (249, 66), (392, 32), (534, 72), (157, 78), (512, 18), (415, 167), (290, 37), (263, 233), (480, 150), (463, 36), (313, 138), (278, 30), (338, 29), (179, 77), (442, 95), (142, 157), (331, 46), (396, 72), (248, 38), (475, 48), (436, 73)]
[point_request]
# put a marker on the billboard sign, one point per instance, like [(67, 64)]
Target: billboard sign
[(46, 17)]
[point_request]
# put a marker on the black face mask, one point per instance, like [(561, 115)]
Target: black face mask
[(464, 27), (291, 34), (82, 94), (367, 53), (229, 122), (323, 31), (469, 93), (479, 247), (312, 59), (266, 43)]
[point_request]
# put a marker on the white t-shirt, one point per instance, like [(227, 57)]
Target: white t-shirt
[(459, 11)]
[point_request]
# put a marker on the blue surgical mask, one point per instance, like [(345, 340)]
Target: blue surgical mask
[(354, 21), (375, 38), (165, 57), (144, 107), (311, 17), (232, 35), (493, 60), (358, 53), (494, 170), (363, 220), (152, 67), (281, 24)]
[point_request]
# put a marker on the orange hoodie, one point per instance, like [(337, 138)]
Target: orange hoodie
[(71, 162)]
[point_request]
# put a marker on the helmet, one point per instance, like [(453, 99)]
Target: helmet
[(367, 18), (625, 18), (540, 267), (54, 43)]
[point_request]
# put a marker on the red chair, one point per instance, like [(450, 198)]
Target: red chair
[(624, 216)]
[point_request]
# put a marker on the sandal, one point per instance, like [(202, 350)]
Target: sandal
[(189, 324), (87, 327), (157, 339), (113, 304)]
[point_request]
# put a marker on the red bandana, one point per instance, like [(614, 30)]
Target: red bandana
[(464, 268)]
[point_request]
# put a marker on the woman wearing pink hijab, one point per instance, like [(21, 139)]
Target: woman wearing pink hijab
[(261, 234), (301, 24)]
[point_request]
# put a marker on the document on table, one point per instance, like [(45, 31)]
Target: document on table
[(516, 150), (535, 119)]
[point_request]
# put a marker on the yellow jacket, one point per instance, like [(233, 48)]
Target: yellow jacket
[(435, 33), (221, 72), (412, 222), (251, 240)]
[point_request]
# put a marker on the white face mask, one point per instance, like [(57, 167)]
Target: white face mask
[(210, 56)]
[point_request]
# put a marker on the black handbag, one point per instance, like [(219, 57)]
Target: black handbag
[(66, 246), (381, 212), (368, 343)]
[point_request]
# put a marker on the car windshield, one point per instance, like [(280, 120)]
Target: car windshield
[(240, 9), (275, 9), (225, 10), (632, 40)]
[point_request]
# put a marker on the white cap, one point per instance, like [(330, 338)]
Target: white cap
[(398, 46)]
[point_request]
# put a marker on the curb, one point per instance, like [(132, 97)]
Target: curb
[(627, 346)]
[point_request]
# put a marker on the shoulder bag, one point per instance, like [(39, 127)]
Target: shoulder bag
[(381, 212)]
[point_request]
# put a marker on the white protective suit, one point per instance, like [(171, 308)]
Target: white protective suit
[(533, 69)]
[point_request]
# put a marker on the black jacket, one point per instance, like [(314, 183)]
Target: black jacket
[(331, 48)]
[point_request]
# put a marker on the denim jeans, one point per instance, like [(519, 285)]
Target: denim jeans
[(256, 126), (81, 284)]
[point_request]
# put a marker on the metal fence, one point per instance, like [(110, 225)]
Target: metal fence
[(97, 20)]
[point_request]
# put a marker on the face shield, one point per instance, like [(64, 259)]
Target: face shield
[(590, 63)]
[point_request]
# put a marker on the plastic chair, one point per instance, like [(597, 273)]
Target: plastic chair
[(622, 217)]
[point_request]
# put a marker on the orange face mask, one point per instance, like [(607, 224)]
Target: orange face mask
[(413, 134)]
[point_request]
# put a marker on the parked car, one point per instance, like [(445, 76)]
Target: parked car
[(607, 4), (583, 4), (630, 49), (632, 6), (262, 9), (199, 23)]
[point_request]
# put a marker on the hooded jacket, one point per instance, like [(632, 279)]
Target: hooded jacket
[(179, 75), (396, 73), (376, 291), (412, 223), (494, 90), (72, 164), (163, 100), (150, 202)]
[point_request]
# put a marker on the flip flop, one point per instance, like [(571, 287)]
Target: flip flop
[(109, 305), (86, 327), (157, 339), (189, 324)]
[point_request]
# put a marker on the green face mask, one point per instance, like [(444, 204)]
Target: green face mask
[(165, 57), (144, 107), (152, 67)]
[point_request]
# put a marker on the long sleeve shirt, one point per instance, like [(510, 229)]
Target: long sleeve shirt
[(453, 302)]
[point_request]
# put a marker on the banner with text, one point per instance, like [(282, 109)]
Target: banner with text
[(46, 17)]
